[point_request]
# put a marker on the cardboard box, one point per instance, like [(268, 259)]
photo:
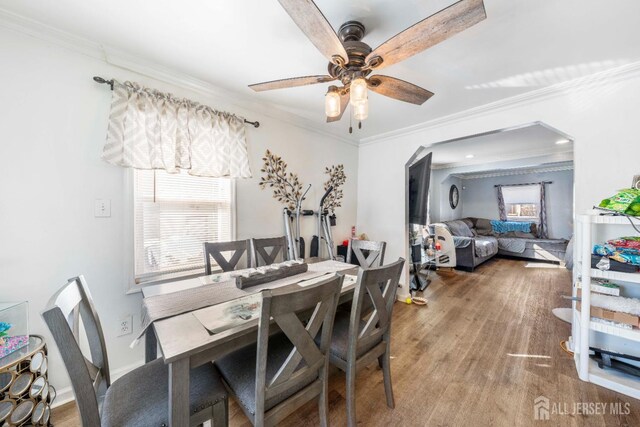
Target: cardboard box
[(614, 316)]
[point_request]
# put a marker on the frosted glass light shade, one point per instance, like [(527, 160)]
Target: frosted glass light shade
[(361, 110), (358, 91), (332, 104)]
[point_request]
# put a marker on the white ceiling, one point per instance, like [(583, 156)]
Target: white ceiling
[(523, 45), (528, 142)]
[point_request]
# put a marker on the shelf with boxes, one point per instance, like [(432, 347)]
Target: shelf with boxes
[(594, 325)]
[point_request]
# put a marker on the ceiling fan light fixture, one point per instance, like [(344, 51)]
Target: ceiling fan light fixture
[(358, 91), (361, 111), (332, 102)]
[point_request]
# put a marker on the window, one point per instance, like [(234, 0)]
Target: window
[(522, 202), (174, 214)]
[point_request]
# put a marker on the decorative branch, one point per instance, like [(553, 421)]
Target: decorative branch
[(286, 186), (336, 180)]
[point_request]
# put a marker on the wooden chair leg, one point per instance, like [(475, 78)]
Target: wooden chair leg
[(221, 413), (323, 401), (351, 395), (386, 372)]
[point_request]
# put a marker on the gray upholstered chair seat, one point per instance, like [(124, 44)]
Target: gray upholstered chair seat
[(139, 398), (238, 370), (340, 337)]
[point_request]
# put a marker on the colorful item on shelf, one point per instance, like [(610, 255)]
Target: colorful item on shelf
[(509, 226), (626, 201), (14, 331), (624, 255), (630, 242)]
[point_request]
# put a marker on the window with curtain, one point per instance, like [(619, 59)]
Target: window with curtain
[(174, 214), (522, 202)]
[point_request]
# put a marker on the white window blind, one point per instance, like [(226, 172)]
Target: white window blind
[(174, 214), (522, 202)]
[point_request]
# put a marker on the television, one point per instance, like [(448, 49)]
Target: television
[(419, 179)]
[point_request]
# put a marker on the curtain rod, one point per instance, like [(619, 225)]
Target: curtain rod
[(528, 183), (101, 80)]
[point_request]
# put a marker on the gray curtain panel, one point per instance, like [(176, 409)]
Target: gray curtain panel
[(149, 129), (501, 207), (542, 227)]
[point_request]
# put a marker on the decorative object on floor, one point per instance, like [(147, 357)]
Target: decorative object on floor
[(286, 186), (149, 129), (25, 392), (454, 196), (336, 180), (352, 61), (14, 326)]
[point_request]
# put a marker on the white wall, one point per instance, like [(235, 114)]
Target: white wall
[(480, 198), (441, 182), (601, 118), (53, 124)]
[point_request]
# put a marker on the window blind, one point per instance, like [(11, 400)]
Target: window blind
[(522, 201), (174, 214)]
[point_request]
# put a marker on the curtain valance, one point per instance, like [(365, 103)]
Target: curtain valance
[(149, 129)]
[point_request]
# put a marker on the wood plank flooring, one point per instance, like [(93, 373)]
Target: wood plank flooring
[(481, 352)]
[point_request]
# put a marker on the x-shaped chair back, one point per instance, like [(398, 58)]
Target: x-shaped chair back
[(66, 309), (372, 306), (375, 256), (268, 251), (238, 248), (306, 360)]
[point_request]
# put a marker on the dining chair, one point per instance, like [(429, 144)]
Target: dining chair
[(280, 373), (375, 252), (140, 397), (268, 251), (364, 334), (215, 250)]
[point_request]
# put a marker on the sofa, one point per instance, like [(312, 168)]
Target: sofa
[(475, 243)]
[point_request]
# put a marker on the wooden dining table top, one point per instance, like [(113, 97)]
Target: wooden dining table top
[(185, 335)]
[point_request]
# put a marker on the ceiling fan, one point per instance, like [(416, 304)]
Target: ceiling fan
[(352, 61)]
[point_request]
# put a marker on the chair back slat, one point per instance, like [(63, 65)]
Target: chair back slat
[(268, 251), (377, 287), (238, 249), (88, 377), (375, 252), (307, 358)]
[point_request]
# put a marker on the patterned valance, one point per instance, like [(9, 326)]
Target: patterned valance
[(149, 129)]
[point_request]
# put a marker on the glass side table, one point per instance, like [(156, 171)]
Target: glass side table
[(25, 392)]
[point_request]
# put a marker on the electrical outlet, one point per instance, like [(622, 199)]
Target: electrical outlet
[(125, 326)]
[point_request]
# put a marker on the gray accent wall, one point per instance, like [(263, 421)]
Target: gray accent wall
[(480, 200)]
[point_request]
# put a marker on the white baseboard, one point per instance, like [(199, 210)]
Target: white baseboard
[(65, 395)]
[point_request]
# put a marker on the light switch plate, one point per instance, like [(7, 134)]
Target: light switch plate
[(102, 208)]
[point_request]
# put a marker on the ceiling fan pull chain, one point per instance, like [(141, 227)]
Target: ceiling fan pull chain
[(350, 119), (359, 125)]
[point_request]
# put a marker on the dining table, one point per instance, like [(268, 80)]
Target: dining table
[(202, 335)]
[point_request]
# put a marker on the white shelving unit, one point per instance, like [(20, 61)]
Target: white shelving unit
[(588, 370)]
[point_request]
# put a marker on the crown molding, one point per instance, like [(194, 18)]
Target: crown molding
[(126, 61), (601, 78), (565, 166), (564, 156)]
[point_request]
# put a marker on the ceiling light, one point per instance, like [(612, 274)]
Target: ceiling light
[(361, 111), (469, 156), (358, 91), (332, 102), (562, 141)]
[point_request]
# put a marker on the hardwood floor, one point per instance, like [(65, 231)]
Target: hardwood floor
[(481, 352)]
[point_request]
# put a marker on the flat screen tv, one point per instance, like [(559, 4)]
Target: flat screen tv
[(419, 179)]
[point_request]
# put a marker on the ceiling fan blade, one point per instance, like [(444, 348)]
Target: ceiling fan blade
[(399, 89), (312, 22), (344, 103), (428, 32), (292, 82)]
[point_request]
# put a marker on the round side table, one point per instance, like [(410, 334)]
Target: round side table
[(25, 392)]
